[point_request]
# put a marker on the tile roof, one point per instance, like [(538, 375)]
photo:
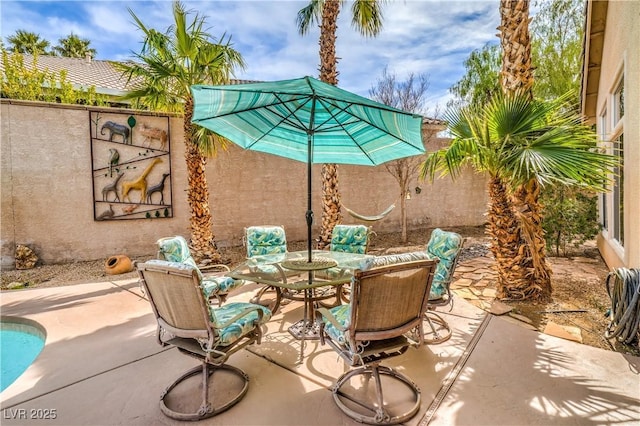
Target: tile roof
[(90, 72)]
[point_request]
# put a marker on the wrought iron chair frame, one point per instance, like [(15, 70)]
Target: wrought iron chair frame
[(383, 322)]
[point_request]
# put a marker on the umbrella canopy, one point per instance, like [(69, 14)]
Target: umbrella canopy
[(309, 121)]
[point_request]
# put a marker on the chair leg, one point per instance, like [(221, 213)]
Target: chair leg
[(274, 304), (362, 407), (226, 398), (439, 330)]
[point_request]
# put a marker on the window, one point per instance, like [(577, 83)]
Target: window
[(618, 103), (604, 214), (618, 191)]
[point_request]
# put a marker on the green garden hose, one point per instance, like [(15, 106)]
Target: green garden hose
[(623, 286)]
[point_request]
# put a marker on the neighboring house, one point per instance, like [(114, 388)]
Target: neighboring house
[(87, 72), (611, 101)]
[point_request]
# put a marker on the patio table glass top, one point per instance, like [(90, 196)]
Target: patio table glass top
[(284, 269)]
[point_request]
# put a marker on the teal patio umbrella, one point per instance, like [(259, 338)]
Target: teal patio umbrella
[(310, 121)]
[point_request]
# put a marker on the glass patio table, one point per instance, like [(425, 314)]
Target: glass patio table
[(290, 274)]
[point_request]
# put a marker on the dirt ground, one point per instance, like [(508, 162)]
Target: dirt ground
[(579, 298)]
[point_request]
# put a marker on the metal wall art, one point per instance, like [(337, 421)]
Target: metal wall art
[(131, 166)]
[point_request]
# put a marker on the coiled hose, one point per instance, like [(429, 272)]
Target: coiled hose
[(623, 286)]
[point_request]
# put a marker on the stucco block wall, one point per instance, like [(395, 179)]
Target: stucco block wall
[(47, 199), (621, 54)]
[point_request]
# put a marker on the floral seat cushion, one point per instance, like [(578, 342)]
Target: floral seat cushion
[(261, 240), (350, 238), (212, 285), (444, 246), (176, 249), (241, 326), (342, 314)]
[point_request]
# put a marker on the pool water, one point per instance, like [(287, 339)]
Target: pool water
[(21, 341)]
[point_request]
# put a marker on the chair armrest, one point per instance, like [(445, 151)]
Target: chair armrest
[(329, 317), (243, 314), (219, 268)]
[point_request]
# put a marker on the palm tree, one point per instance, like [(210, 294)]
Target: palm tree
[(367, 19), (72, 46), (516, 140), (517, 76), (169, 64), (27, 42)]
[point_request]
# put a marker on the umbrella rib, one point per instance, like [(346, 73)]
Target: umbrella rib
[(284, 118)]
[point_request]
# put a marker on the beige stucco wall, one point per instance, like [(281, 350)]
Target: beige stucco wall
[(47, 199), (622, 55)]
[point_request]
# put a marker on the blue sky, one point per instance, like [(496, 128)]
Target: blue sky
[(419, 36)]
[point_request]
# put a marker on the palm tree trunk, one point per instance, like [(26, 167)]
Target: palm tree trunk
[(517, 75), (331, 214), (202, 244), (502, 228)]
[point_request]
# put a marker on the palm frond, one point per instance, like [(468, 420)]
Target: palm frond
[(310, 14), (366, 17)]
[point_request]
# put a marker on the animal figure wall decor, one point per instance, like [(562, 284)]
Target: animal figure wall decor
[(112, 187), (116, 129), (153, 134), (140, 183), (114, 159), (157, 188), (129, 157)]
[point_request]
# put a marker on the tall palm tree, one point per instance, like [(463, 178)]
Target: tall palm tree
[(72, 46), (169, 64), (517, 76), (367, 19), (516, 140), (27, 42)]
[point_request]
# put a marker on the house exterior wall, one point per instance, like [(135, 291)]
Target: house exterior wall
[(621, 60), (47, 195)]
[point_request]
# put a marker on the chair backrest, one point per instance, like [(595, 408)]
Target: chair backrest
[(261, 240), (175, 249), (388, 301), (350, 238), (174, 292), (446, 246)]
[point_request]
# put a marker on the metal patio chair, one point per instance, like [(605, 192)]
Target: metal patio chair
[(445, 246), (211, 334), (215, 284), (382, 320)]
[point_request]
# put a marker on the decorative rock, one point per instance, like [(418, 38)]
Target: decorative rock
[(563, 331), (465, 293), (499, 308), (520, 318), (25, 257), (489, 292)]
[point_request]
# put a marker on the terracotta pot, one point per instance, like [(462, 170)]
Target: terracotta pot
[(119, 264)]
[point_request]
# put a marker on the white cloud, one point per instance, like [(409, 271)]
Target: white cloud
[(426, 36)]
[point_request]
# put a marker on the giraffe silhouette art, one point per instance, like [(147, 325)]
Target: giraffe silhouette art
[(140, 183)]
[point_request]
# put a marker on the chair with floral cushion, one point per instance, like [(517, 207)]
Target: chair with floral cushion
[(215, 284), (211, 334), (350, 238), (383, 319), (445, 246), (346, 239), (268, 240)]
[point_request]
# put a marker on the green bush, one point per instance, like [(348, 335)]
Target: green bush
[(32, 84), (570, 218)]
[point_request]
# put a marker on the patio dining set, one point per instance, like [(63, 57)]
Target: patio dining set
[(366, 308)]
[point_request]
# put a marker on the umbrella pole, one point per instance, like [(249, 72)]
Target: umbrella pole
[(309, 214)]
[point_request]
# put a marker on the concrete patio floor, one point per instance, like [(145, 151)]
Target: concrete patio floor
[(101, 365)]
